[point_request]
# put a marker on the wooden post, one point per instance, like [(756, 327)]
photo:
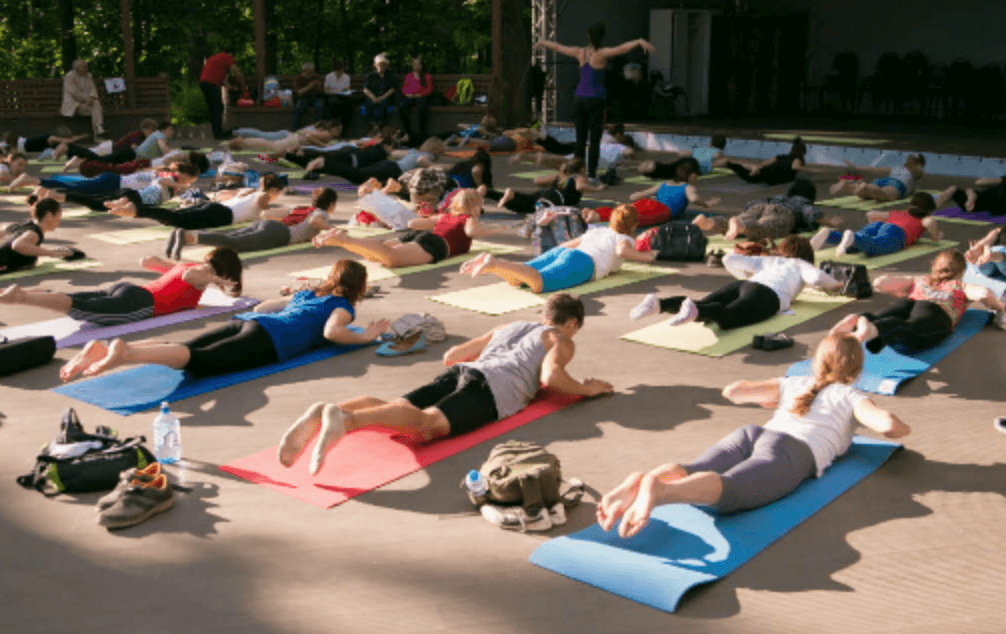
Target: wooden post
[(125, 14), (496, 91), (258, 9)]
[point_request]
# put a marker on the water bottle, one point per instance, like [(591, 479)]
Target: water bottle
[(478, 488), (167, 436)]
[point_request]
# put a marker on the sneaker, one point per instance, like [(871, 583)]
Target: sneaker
[(594, 181), (126, 478), (999, 319), (848, 238), (138, 503), (515, 518), (820, 238), (649, 306), (557, 514), (687, 314)]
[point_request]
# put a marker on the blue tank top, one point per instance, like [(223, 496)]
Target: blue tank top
[(705, 156), (300, 326), (674, 197), (591, 82)]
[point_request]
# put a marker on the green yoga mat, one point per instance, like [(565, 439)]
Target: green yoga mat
[(377, 272), (919, 249), (856, 203), (82, 212), (51, 169), (196, 254), (147, 234), (817, 138), (711, 341), (46, 266), (497, 299), (962, 221), (534, 174)]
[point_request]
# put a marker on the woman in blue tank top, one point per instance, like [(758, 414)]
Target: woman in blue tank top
[(677, 193), (590, 92)]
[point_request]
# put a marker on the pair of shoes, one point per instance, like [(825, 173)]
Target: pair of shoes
[(715, 258), (516, 518), (387, 349), (686, 314), (771, 341), (138, 502), (126, 478), (649, 306)]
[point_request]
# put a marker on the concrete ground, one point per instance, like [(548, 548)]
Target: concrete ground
[(912, 548)]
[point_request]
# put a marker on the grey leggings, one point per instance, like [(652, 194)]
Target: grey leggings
[(757, 466), (258, 236)]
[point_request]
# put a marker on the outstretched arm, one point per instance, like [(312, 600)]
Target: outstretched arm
[(880, 420), (469, 350), (560, 48), (762, 393), (622, 49), (553, 369), (692, 193), (336, 331), (627, 251), (157, 264), (867, 168), (646, 193), (895, 285)]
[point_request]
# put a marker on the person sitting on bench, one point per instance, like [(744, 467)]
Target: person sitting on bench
[(489, 378), (815, 417)]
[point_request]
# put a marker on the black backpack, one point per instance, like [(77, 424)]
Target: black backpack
[(855, 278), (679, 240), (22, 354)]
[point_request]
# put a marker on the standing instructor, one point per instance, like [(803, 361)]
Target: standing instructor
[(215, 71)]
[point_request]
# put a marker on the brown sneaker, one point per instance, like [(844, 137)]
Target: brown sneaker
[(138, 503), (146, 474)]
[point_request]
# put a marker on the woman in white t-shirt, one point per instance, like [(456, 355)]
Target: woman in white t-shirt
[(765, 285), (592, 256), (813, 425)]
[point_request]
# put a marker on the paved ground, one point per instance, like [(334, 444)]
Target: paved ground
[(913, 548)]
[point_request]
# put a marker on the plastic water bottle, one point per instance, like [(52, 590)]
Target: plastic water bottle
[(478, 488), (167, 436)]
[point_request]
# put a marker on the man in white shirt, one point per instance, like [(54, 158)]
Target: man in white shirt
[(338, 101), (80, 96)]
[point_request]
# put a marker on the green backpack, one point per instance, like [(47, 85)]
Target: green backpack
[(521, 473), (464, 91)]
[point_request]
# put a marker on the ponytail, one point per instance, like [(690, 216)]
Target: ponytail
[(838, 359)]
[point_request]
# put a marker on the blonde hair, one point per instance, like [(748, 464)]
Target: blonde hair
[(624, 219), (947, 265), (466, 201), (838, 359)]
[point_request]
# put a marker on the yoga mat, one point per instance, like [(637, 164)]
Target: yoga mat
[(309, 187), (46, 266), (52, 169), (531, 175), (712, 341), (196, 254), (814, 138), (369, 458), (78, 213), (883, 373), (148, 234), (856, 203), (144, 387), (497, 299), (956, 214), (646, 180), (920, 248), (685, 546), (377, 272), (70, 332)]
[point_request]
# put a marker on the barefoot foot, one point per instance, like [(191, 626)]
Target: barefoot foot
[(972, 197), (299, 434), (486, 262), (91, 353), (115, 357), (845, 326), (467, 267), (615, 502), (508, 195)]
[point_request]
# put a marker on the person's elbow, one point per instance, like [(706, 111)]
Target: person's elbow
[(895, 427), (148, 261), (335, 333)]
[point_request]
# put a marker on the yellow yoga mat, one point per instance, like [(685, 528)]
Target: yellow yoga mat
[(48, 265), (818, 138)]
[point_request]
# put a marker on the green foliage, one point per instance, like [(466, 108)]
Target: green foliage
[(188, 106)]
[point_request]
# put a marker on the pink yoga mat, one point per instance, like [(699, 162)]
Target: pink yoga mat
[(369, 458)]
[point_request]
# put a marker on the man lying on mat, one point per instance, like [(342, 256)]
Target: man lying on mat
[(491, 377), (813, 425)]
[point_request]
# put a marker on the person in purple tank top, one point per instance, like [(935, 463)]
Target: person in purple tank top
[(590, 92)]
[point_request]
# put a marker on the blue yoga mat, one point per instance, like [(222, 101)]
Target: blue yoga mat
[(145, 387), (684, 546), (883, 373)]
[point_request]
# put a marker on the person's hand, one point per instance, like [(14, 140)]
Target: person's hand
[(646, 46), (984, 257), (755, 170), (973, 253), (376, 329), (546, 218), (62, 251), (596, 387), (319, 240)]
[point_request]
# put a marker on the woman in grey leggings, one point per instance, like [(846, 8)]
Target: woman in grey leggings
[(278, 228), (813, 425)]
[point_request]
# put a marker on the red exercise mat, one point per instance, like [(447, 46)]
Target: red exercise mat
[(369, 458)]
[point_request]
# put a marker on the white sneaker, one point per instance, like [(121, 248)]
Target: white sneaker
[(999, 320), (515, 518), (820, 238), (557, 514), (649, 306), (687, 314), (848, 238)]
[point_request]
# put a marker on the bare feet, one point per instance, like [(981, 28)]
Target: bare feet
[(467, 267), (507, 197), (734, 230), (13, 294), (846, 326), (73, 163), (820, 238), (972, 197), (333, 427), (615, 502), (486, 262), (704, 222), (123, 211), (42, 192), (115, 357), (91, 353), (637, 515), (60, 151), (315, 164), (392, 186), (300, 433), (371, 184), (837, 188)]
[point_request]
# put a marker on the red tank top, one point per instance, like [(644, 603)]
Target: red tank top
[(911, 225), (296, 216), (452, 229), (171, 293)]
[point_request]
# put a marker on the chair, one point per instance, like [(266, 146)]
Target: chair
[(666, 93)]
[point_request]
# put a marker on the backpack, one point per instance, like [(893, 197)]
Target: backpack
[(567, 224), (855, 278), (408, 326), (22, 354), (678, 240), (463, 92), (521, 473)]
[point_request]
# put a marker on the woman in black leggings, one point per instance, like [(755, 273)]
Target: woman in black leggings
[(991, 197), (564, 189), (776, 170)]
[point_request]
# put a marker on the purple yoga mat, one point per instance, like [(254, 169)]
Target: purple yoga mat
[(69, 332), (983, 216), (307, 188)]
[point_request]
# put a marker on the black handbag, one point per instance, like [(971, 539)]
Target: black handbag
[(854, 278), (679, 241), (80, 462), (22, 354)]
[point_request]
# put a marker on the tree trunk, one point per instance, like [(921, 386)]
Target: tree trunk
[(69, 40), (271, 41), (515, 104), (345, 38)]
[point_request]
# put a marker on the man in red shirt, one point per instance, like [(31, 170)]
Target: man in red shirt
[(215, 71)]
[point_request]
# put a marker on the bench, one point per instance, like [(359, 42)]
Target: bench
[(442, 117), (31, 106)]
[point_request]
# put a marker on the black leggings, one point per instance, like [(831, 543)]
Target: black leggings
[(588, 113), (204, 215), (525, 203), (237, 345), (364, 157), (382, 171), (991, 199), (122, 155), (773, 174), (96, 201), (555, 146), (739, 303), (666, 171), (910, 325)]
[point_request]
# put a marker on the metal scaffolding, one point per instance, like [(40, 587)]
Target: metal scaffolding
[(543, 27)]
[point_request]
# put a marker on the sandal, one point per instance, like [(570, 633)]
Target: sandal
[(388, 349), (771, 341)]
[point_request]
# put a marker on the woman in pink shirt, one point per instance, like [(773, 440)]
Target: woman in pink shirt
[(416, 90)]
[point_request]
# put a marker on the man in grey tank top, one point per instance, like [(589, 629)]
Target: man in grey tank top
[(490, 378)]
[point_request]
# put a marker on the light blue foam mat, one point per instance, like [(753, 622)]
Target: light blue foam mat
[(144, 387), (884, 372), (685, 546)]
